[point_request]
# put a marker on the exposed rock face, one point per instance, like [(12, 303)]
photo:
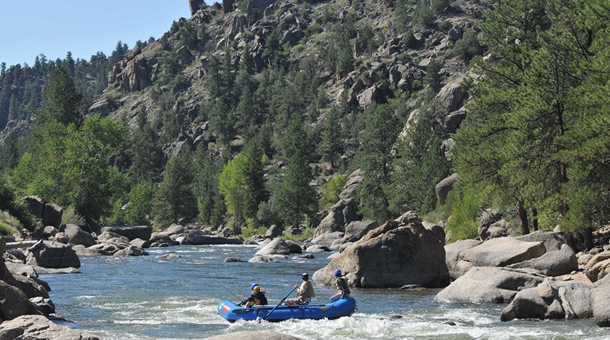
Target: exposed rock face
[(444, 187), (344, 211), (393, 255), (500, 252), (131, 232), (195, 5), (39, 327), (550, 300), (452, 95), (130, 75), (552, 263), (488, 285), (52, 255)]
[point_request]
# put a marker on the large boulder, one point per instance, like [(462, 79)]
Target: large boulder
[(276, 247), (552, 263), (500, 252), (52, 215), (551, 240), (489, 285), (598, 267), (456, 266), (600, 297), (452, 95), (199, 237), (393, 255), (551, 299), (131, 232), (36, 327), (76, 235), (443, 188), (52, 255), (35, 205), (13, 303), (357, 229), (328, 238)]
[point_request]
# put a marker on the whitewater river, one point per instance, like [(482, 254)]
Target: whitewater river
[(148, 298)]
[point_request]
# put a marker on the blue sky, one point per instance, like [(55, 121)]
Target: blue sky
[(54, 27)]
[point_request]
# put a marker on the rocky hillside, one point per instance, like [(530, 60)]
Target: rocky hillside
[(293, 78), (394, 68)]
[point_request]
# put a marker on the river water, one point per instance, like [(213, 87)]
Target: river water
[(149, 298)]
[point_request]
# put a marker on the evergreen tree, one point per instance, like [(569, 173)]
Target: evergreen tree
[(256, 192), (375, 161), (331, 146), (61, 99), (175, 199), (209, 200), (419, 166), (295, 197), (146, 154)]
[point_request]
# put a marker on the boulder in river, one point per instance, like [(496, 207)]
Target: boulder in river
[(395, 254), (52, 255), (39, 327), (489, 285), (199, 237), (551, 299), (600, 297), (276, 247), (131, 232)]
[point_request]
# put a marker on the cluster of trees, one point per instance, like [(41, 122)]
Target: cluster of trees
[(112, 173), (536, 135)]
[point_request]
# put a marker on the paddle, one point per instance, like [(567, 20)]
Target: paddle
[(285, 297)]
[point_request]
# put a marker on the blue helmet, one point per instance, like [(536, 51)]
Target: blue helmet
[(253, 285), (338, 272)]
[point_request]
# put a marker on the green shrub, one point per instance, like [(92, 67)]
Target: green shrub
[(305, 235), (70, 216), (423, 15), (6, 229), (466, 207), (334, 188)]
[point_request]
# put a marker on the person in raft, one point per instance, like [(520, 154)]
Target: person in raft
[(256, 298), (304, 293), (341, 287)]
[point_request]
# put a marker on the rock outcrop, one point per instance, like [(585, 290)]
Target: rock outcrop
[(551, 299), (489, 285), (52, 255), (393, 255), (38, 327)]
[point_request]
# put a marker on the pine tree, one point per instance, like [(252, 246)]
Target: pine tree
[(175, 199), (331, 146), (375, 160), (61, 100), (146, 154), (295, 198)]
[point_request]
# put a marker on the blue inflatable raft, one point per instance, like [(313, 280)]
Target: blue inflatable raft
[(333, 310)]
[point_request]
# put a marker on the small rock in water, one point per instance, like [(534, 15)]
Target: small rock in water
[(169, 257), (234, 259), (396, 317), (412, 287), (450, 323)]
